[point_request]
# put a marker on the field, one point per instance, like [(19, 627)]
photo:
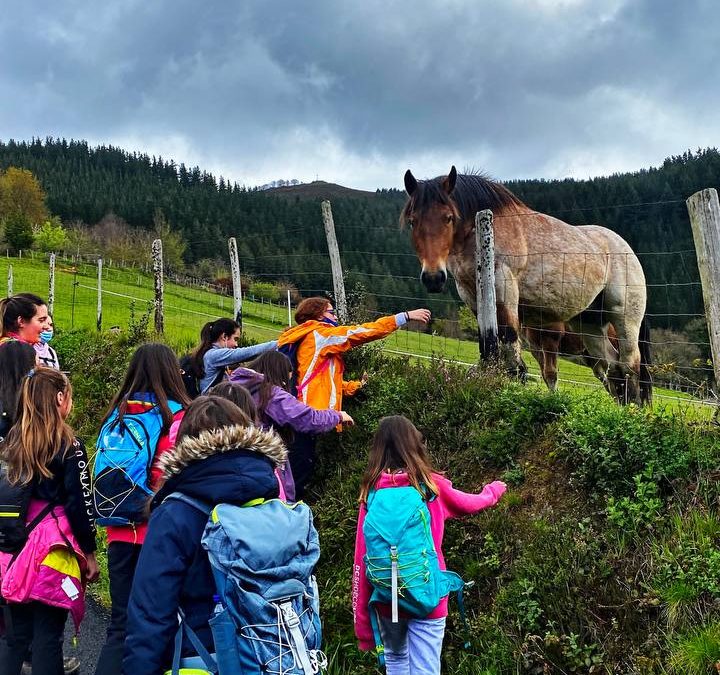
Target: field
[(187, 308)]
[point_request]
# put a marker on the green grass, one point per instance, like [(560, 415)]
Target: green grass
[(188, 308)]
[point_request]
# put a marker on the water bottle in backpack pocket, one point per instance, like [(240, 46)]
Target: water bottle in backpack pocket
[(125, 454), (401, 562)]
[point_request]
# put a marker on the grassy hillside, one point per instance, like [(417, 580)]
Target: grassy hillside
[(187, 308), (603, 556)]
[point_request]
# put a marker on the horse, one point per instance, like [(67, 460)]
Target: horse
[(548, 273)]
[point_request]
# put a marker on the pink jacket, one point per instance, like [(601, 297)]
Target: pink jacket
[(47, 570), (450, 503)]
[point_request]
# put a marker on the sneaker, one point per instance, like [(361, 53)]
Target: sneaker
[(71, 666)]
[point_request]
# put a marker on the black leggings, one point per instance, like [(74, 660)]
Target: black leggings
[(122, 561), (302, 461), (37, 626)]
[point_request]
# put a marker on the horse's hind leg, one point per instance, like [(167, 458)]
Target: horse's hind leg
[(601, 353)]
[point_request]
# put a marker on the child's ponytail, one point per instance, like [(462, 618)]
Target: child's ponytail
[(40, 431)]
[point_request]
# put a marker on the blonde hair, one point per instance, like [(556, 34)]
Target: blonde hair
[(39, 432), (399, 446)]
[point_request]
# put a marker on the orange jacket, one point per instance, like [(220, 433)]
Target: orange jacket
[(320, 364)]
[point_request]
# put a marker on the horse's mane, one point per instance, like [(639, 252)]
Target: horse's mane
[(473, 192)]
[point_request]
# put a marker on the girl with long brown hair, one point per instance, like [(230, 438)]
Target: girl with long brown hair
[(399, 459), (152, 385), (42, 455)]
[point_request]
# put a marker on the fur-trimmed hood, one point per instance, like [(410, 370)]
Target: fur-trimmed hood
[(217, 441)]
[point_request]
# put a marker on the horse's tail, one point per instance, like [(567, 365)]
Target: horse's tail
[(645, 363)]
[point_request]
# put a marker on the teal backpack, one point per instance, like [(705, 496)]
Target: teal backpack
[(401, 562)]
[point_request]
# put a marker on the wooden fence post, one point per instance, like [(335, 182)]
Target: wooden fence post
[(236, 280), (704, 210), (335, 264), (10, 281), (157, 257), (485, 284), (99, 294), (51, 285), (289, 309)]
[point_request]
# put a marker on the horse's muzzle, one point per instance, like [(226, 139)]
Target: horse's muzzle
[(434, 282)]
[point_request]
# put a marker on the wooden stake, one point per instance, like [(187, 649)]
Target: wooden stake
[(335, 263), (157, 258), (704, 210), (485, 284), (51, 285), (99, 294), (236, 280)]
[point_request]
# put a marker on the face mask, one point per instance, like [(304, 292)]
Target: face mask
[(46, 336), (329, 321)]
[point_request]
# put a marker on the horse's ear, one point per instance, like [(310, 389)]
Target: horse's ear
[(449, 182), (410, 182)]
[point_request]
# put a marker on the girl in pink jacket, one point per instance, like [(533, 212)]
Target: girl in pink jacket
[(399, 458), (45, 579)]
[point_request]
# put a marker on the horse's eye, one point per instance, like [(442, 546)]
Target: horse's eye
[(448, 218)]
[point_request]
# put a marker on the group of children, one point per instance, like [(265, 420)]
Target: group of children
[(244, 440)]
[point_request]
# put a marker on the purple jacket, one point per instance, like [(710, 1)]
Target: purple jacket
[(283, 409)]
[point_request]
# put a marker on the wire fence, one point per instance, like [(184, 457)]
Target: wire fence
[(681, 365)]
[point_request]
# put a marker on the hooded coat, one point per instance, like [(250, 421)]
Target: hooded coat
[(232, 465)]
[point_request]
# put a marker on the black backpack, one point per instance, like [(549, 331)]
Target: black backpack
[(14, 503), (192, 383)]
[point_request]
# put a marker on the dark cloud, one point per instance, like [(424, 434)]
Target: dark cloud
[(355, 92)]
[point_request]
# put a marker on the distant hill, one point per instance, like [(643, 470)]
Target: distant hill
[(318, 189)]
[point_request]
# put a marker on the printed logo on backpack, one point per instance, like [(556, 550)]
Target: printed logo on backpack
[(262, 556), (401, 562), (121, 475)]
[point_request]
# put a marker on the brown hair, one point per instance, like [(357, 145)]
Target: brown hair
[(398, 446), (237, 394), (16, 307), (210, 333), (153, 369), (275, 368), (311, 309), (207, 413), (39, 432)]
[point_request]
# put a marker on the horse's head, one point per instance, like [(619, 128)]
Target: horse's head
[(431, 214)]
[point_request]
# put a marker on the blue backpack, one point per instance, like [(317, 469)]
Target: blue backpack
[(267, 620), (125, 452), (401, 562)]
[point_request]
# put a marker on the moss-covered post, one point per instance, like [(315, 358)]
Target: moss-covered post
[(236, 280), (99, 294), (10, 281), (157, 258), (335, 264), (704, 210), (485, 285)]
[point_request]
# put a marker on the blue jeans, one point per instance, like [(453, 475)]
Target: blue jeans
[(412, 646)]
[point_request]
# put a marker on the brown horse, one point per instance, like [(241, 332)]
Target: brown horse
[(547, 273)]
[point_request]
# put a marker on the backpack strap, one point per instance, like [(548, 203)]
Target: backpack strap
[(48, 508), (201, 506), (313, 375), (199, 647)]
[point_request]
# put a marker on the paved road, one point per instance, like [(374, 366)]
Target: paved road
[(91, 639)]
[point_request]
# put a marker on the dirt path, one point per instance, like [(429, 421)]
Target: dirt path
[(91, 639)]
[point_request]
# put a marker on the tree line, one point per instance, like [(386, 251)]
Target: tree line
[(281, 238)]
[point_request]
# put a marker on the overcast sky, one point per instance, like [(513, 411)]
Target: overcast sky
[(357, 92)]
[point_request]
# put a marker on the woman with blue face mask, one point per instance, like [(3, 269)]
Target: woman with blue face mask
[(46, 355)]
